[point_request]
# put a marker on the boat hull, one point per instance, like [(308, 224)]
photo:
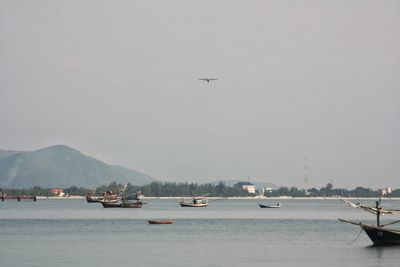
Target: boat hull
[(269, 206), (191, 205), (119, 204), (111, 204), (160, 221), (90, 199), (381, 236)]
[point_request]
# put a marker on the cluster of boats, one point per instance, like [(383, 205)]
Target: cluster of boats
[(112, 199), (379, 234)]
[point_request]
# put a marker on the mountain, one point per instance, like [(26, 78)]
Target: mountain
[(6, 153), (61, 166)]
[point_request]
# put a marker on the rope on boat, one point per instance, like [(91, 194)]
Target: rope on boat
[(358, 236), (390, 223), (213, 200)]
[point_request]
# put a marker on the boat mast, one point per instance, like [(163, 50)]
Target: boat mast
[(378, 211)]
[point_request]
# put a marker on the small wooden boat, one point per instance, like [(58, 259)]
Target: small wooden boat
[(196, 202), (277, 206), (160, 221), (379, 234)]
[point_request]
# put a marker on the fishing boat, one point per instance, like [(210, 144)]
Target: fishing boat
[(160, 221), (111, 204), (111, 196), (276, 206), (380, 235), (91, 198), (196, 202), (126, 201)]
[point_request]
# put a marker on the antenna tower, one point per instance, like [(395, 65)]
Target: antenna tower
[(306, 180)]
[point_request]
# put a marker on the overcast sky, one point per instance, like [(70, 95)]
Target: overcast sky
[(118, 80)]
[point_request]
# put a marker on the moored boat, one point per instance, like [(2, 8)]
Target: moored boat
[(276, 206), (196, 202), (111, 204), (380, 235), (160, 221), (93, 199), (127, 201), (122, 204)]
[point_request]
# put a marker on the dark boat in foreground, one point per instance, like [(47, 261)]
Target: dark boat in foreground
[(277, 206), (160, 221), (380, 235)]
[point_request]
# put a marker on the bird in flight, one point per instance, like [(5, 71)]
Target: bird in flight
[(208, 79)]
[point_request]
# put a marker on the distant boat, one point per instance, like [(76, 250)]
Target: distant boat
[(93, 199), (160, 221), (111, 196), (276, 206), (379, 234), (196, 202), (124, 203), (19, 197)]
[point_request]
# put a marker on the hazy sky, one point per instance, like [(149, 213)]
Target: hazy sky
[(118, 80)]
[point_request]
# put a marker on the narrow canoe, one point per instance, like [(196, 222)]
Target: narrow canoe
[(160, 221), (277, 206)]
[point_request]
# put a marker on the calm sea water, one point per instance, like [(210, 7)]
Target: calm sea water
[(227, 233)]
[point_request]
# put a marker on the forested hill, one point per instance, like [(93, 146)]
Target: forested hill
[(61, 166)]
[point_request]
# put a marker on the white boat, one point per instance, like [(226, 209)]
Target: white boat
[(196, 202)]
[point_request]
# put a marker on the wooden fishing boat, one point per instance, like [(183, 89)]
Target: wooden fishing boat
[(131, 203), (196, 202), (93, 199), (380, 235), (276, 206), (124, 203), (111, 204), (160, 221)]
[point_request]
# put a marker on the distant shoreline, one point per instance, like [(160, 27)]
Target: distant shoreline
[(242, 198)]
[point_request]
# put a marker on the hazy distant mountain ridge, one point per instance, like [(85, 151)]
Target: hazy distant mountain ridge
[(6, 153), (61, 166)]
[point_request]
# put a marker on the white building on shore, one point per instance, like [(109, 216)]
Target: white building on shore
[(248, 186)]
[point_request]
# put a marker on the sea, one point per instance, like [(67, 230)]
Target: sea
[(72, 232)]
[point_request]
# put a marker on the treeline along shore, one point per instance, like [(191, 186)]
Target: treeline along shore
[(170, 189)]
